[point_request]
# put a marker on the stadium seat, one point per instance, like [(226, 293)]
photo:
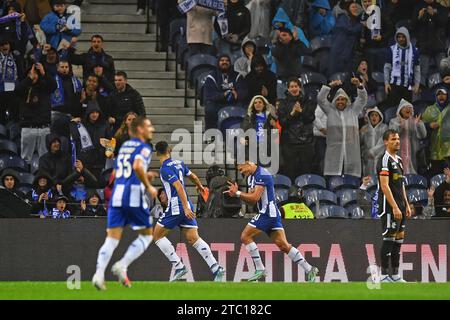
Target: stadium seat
[(437, 180), (26, 179), (310, 181), (322, 57), (177, 31), (262, 45), (25, 189), (331, 212), (181, 55), (355, 212), (281, 181), (312, 78), (378, 77), (281, 89), (197, 64), (309, 64), (13, 162), (373, 184), (34, 166), (418, 196), (320, 43), (389, 114), (199, 83), (345, 181), (281, 195), (101, 193), (338, 76), (321, 196), (348, 197), (416, 181), (229, 116), (434, 81), (8, 147), (3, 132), (14, 131), (403, 23), (371, 102)]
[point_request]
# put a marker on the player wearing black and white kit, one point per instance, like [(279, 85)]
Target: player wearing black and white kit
[(393, 207)]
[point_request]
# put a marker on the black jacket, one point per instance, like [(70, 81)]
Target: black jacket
[(267, 78), (58, 165), (239, 20), (35, 106), (288, 58), (297, 129), (90, 60), (121, 103), (72, 103), (430, 29)]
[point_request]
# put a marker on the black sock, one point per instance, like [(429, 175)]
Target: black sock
[(395, 257), (386, 250)]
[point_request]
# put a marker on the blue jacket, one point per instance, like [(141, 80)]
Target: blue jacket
[(50, 25), (320, 25)]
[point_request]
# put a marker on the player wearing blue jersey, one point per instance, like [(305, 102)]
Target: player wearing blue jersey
[(262, 192), (179, 213), (127, 205)]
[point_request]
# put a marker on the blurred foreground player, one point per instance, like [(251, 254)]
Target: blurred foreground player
[(128, 205), (268, 220), (179, 213), (393, 206)]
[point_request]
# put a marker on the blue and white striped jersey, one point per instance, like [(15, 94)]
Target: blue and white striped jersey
[(170, 172), (128, 190), (266, 204)]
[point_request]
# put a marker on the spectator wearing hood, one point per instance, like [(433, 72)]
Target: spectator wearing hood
[(123, 100), (42, 194), (10, 75), (321, 19), (199, 30), (346, 32), (287, 54), (65, 100), (343, 153), (10, 181), (401, 70), (56, 162), (411, 130), (239, 25), (262, 81), (374, 44), (437, 119), (243, 65), (296, 114), (93, 206), (224, 87), (95, 56), (87, 135), (363, 72), (372, 145), (35, 111), (60, 210), (428, 22), (260, 11), (58, 25), (92, 93)]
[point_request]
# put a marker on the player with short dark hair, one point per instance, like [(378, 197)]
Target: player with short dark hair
[(128, 205), (268, 220), (393, 206), (179, 213)]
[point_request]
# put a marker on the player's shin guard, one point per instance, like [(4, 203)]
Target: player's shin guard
[(254, 253), (136, 249), (104, 255), (298, 258), (169, 251), (386, 254), (205, 251), (395, 256)]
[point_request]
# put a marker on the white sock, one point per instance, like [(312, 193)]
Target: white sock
[(169, 251), (254, 253), (136, 249), (395, 277), (298, 258), (205, 251), (104, 255)]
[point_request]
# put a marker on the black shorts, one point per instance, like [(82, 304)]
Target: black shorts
[(390, 225)]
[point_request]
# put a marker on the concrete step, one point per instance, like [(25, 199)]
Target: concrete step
[(121, 46), (163, 93), (139, 84), (109, 2), (178, 119), (184, 112), (100, 28), (165, 103), (119, 37), (113, 8), (115, 18), (151, 75), (134, 65)]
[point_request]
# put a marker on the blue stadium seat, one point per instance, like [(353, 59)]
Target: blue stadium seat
[(199, 84), (13, 162), (281, 89), (25, 189), (197, 64), (437, 180), (34, 166), (313, 78), (101, 193), (310, 181), (230, 116), (281, 195), (14, 131), (309, 64), (355, 212), (416, 181), (281, 181), (378, 77), (322, 57), (418, 196), (26, 179), (320, 43), (331, 212), (262, 45), (434, 81), (177, 32), (389, 114), (3, 132), (345, 181), (182, 53), (321, 196), (8, 147), (373, 184), (348, 197), (338, 76)]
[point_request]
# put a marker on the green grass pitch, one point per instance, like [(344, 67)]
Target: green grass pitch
[(223, 291)]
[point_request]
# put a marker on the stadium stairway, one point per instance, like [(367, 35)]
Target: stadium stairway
[(152, 73)]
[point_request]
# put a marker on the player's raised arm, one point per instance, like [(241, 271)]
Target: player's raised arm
[(249, 197), (195, 180), (141, 173)]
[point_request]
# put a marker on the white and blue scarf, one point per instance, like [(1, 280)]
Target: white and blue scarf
[(35, 196), (8, 72), (85, 138), (57, 98), (56, 214), (11, 17), (402, 68), (217, 5)]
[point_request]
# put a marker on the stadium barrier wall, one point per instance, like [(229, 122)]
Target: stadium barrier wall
[(54, 250)]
